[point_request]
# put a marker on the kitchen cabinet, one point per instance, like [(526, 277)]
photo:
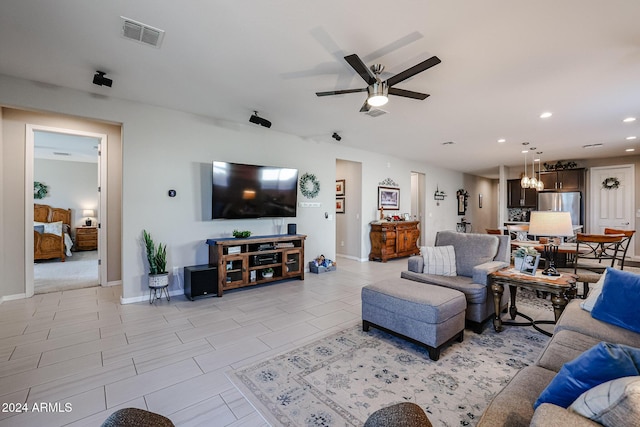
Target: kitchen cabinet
[(569, 179), (518, 197)]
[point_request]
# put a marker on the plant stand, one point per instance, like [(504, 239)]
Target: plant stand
[(155, 292)]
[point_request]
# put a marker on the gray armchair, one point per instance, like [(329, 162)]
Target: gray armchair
[(477, 256)]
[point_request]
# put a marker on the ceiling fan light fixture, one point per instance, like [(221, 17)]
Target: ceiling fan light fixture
[(378, 94)]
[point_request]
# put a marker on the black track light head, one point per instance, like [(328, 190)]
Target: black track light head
[(100, 80), (259, 120), (336, 136)]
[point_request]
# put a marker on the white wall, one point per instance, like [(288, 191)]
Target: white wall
[(71, 185), (166, 149)]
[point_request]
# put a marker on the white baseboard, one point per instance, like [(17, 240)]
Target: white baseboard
[(142, 298), (13, 297), (351, 257)]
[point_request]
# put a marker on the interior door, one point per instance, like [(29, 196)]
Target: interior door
[(612, 207)]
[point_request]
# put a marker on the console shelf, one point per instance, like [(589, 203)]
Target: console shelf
[(241, 262)]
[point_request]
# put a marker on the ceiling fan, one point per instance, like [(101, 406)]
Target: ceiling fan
[(377, 89)]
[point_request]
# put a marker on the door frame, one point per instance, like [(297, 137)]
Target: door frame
[(28, 191)]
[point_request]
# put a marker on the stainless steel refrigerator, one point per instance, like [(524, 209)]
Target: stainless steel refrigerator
[(563, 202)]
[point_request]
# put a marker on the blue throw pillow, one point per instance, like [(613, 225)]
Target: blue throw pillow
[(601, 363), (619, 301)]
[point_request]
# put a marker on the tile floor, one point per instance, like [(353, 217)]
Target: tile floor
[(83, 349)]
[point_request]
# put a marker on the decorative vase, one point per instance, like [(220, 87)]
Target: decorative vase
[(267, 275), (158, 280)]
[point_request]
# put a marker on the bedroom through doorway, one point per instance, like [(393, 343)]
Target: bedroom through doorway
[(67, 164)]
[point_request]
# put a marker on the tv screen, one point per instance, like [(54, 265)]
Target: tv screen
[(251, 191)]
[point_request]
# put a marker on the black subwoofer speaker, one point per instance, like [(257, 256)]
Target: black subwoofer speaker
[(200, 280), (292, 229)]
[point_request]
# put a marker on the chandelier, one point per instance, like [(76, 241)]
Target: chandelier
[(532, 182)]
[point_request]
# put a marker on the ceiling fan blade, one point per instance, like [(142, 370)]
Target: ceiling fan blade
[(407, 93), (364, 71), (410, 72), (365, 107), (340, 92)]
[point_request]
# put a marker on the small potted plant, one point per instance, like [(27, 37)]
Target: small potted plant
[(241, 234), (157, 257), (267, 273), (520, 254)]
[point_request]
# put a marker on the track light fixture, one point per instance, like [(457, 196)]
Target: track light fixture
[(100, 80), (259, 120), (336, 136)]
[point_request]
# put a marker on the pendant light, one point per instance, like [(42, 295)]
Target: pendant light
[(540, 186), (524, 182), (533, 182)]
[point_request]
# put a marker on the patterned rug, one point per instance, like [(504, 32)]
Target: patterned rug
[(341, 379)]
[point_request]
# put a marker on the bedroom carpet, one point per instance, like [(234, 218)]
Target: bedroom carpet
[(78, 271), (339, 380)]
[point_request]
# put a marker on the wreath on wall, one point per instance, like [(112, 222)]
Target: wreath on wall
[(611, 183), (40, 190), (309, 185)]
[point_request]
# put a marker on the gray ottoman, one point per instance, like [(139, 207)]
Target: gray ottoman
[(429, 315)]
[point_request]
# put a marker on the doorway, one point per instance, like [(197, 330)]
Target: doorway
[(418, 202), (73, 163), (349, 210)]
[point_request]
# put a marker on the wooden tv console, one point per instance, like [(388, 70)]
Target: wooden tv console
[(241, 262)]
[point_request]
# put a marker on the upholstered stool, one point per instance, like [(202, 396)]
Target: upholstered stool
[(427, 314), (134, 417), (405, 414)]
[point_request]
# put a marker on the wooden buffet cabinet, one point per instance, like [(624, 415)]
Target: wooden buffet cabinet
[(393, 239), (241, 262)]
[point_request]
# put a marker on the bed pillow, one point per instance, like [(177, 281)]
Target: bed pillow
[(601, 363), (619, 301), (594, 293), (614, 403), (439, 260), (53, 228), (39, 228)]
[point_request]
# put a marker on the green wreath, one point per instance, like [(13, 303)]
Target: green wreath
[(309, 185), (39, 190), (610, 183)]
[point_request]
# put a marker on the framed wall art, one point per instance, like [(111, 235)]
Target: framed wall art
[(388, 198), (339, 204), (339, 187)]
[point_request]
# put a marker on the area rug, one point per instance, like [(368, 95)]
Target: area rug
[(341, 379)]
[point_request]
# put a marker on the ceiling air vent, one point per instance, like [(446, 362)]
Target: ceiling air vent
[(375, 112), (141, 33)]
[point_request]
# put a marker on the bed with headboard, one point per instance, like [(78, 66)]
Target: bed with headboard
[(51, 228)]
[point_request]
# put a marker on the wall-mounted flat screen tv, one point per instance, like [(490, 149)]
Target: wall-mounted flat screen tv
[(251, 191)]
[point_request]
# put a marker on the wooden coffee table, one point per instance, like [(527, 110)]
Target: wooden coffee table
[(561, 288)]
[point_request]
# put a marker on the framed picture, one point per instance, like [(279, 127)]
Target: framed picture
[(388, 198), (530, 264), (339, 187), (339, 204)]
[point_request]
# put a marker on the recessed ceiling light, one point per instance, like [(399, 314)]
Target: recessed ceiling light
[(630, 149), (629, 138), (629, 119), (502, 140), (546, 115), (592, 145), (524, 151)]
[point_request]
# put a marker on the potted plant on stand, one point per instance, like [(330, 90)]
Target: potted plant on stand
[(157, 258)]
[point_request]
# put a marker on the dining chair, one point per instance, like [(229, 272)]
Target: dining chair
[(518, 231), (621, 252), (589, 253)]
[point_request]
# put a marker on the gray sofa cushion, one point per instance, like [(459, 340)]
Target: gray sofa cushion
[(473, 292), (513, 405), (471, 249), (565, 346), (549, 415), (576, 319)]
